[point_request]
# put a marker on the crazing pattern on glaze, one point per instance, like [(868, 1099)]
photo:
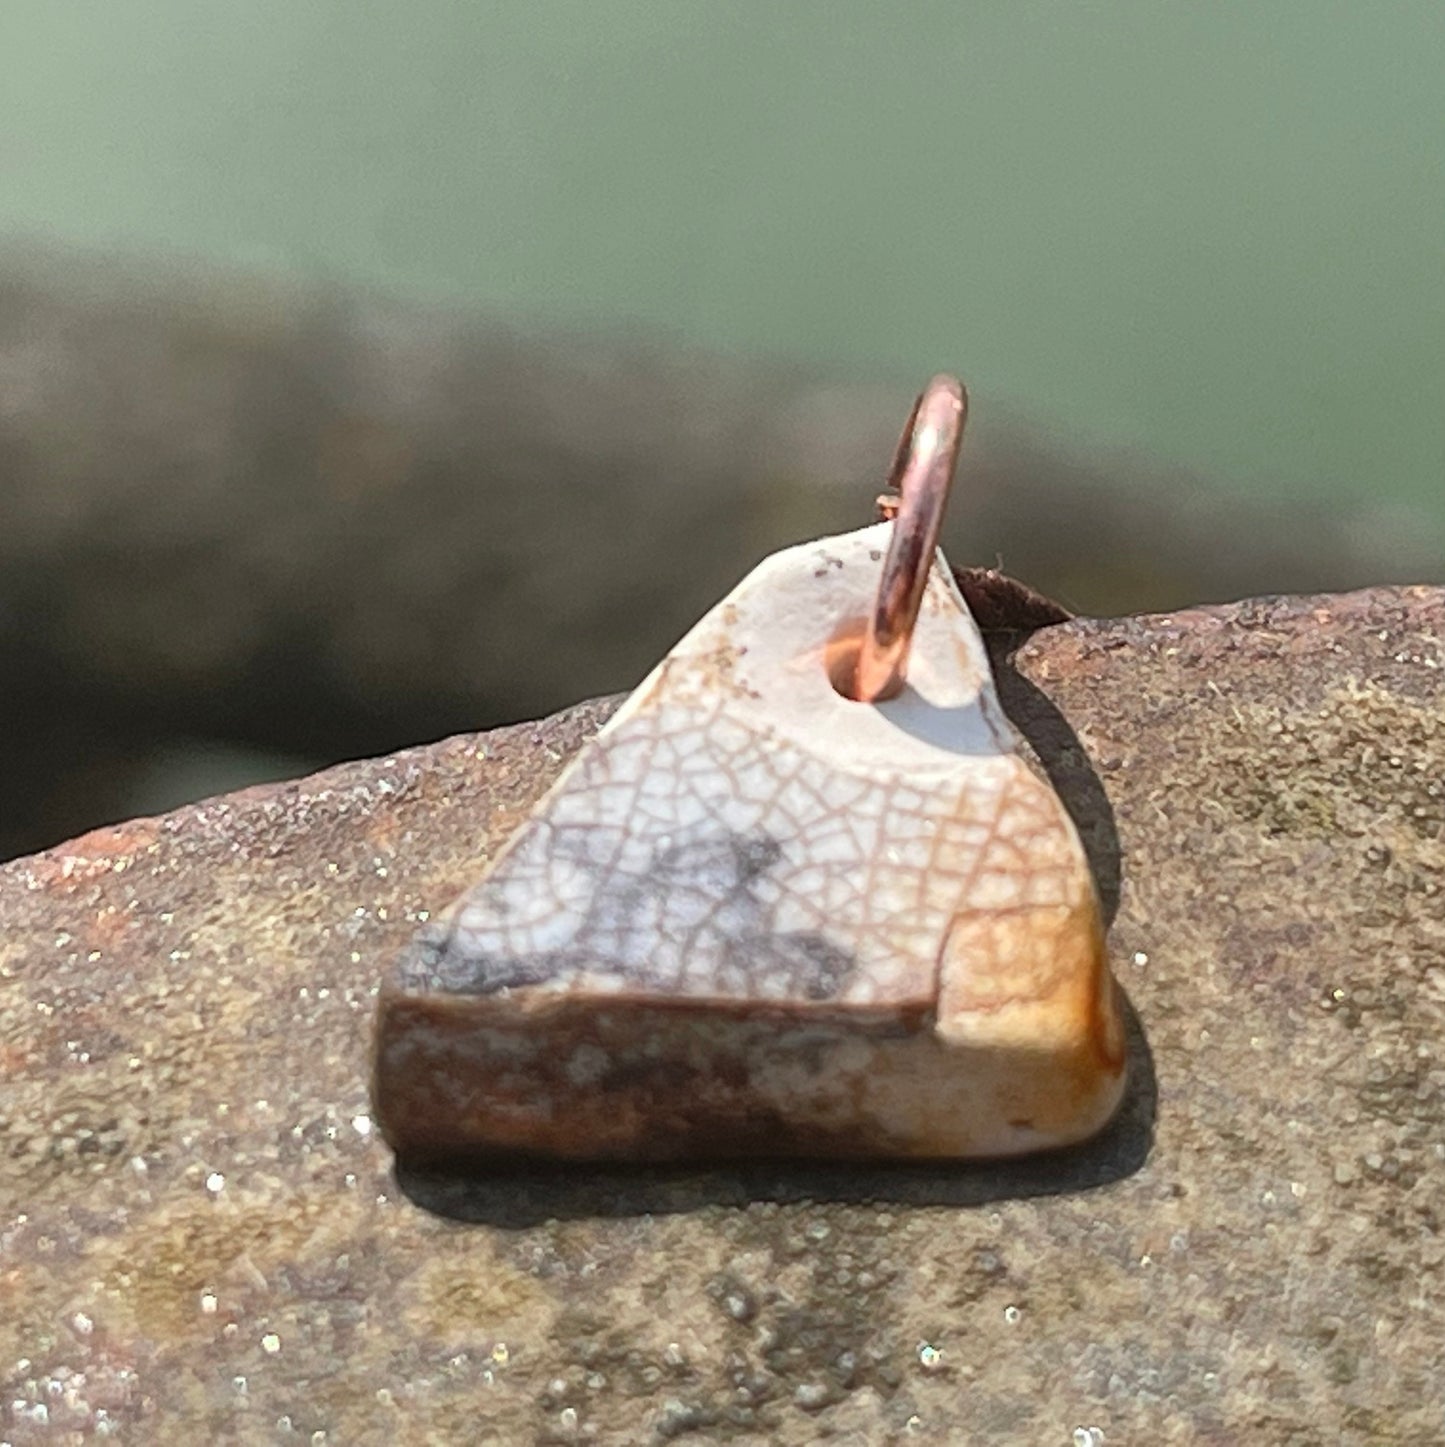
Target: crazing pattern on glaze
[(736, 833), (691, 856)]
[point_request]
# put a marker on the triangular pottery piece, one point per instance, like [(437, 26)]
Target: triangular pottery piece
[(754, 916)]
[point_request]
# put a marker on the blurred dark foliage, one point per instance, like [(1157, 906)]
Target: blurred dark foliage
[(247, 526)]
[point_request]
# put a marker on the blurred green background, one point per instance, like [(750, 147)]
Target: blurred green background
[(1214, 232), (370, 372)]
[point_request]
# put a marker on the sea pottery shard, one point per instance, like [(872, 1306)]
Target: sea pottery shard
[(756, 916)]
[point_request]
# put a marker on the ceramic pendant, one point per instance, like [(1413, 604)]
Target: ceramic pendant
[(780, 905)]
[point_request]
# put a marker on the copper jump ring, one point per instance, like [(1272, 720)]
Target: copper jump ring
[(922, 474)]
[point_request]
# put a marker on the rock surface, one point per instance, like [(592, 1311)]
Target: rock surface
[(202, 1239)]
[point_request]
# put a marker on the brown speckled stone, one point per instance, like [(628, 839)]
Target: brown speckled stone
[(201, 1238)]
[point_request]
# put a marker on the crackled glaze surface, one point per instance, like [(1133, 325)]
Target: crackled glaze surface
[(741, 833), (741, 829)]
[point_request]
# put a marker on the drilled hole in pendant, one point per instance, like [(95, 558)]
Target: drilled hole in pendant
[(840, 660)]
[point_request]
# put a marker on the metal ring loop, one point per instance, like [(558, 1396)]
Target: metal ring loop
[(922, 474)]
